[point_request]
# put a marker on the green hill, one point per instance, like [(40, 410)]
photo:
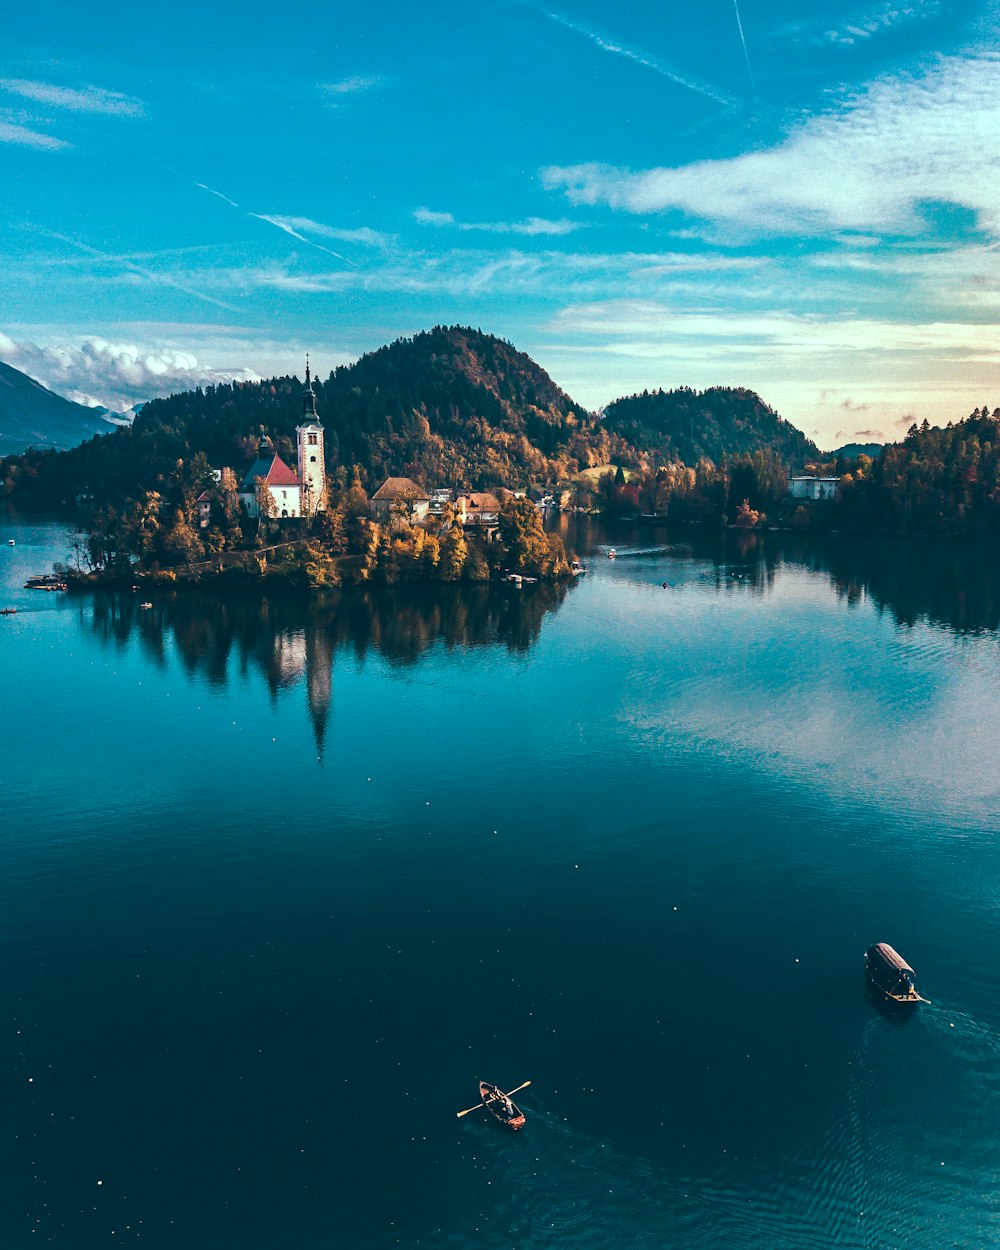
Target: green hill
[(686, 425)]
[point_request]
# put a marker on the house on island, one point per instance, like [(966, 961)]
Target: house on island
[(399, 499), (479, 512), (293, 494), (813, 487), (204, 502)]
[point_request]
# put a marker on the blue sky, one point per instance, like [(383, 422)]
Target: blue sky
[(796, 196)]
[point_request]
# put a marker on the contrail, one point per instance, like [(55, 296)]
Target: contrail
[(640, 58), (746, 54), (218, 193), (283, 225), (155, 278), (279, 224)]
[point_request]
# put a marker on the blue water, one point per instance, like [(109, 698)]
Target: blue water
[(282, 878)]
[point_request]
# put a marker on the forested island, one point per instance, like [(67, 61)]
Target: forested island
[(456, 411)]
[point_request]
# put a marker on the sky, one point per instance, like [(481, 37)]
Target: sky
[(801, 197)]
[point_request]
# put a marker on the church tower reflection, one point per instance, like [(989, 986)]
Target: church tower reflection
[(319, 680)]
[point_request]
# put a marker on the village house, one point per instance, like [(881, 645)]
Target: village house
[(399, 499), (478, 509), (813, 487), (204, 502), (293, 494)]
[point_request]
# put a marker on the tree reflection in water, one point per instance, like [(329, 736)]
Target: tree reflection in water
[(288, 639), (944, 582)]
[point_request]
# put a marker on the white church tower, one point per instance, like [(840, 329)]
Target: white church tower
[(312, 463)]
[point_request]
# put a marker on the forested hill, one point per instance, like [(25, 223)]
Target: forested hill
[(451, 405), (686, 425)]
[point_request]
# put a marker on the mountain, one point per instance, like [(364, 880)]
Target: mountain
[(451, 406), (31, 416), (687, 424)]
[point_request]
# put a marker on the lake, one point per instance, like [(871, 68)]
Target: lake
[(282, 878)]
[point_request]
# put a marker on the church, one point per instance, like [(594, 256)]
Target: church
[(294, 494)]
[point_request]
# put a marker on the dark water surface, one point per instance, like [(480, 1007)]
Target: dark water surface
[(282, 878)]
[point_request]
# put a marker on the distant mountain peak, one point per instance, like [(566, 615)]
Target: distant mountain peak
[(33, 416)]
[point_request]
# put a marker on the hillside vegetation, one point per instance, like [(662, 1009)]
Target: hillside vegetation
[(686, 425)]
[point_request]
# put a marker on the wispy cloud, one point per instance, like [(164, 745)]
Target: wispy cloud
[(87, 99), (639, 57), (138, 271), (857, 25), (11, 133), (363, 235), (354, 85), (874, 164), (865, 23), (285, 224), (529, 226), (427, 217)]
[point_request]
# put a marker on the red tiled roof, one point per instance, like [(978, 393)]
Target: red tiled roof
[(280, 474), (274, 472)]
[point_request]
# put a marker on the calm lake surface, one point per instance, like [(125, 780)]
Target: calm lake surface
[(282, 878)]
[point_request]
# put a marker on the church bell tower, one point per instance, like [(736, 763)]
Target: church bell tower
[(312, 463)]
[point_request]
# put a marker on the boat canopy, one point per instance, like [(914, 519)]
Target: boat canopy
[(890, 959)]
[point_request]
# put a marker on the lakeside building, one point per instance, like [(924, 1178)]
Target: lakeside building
[(293, 494), (813, 487), (399, 499)]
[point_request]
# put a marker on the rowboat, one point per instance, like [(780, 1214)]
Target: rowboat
[(500, 1106), (889, 972)]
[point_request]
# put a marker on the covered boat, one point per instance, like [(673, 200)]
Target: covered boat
[(500, 1105), (890, 973)]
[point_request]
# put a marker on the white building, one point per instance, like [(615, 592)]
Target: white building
[(292, 494), (813, 487)]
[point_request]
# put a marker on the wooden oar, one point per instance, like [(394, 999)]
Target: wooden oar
[(482, 1104)]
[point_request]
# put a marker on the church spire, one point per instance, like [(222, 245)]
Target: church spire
[(309, 398)]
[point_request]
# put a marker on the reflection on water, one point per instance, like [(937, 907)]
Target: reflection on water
[(290, 639), (953, 584)]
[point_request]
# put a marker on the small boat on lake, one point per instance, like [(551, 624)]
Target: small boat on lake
[(500, 1105), (11, 542), (889, 972), (612, 553), (7, 611)]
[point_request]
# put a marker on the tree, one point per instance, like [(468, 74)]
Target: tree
[(529, 549), (747, 517), (454, 550)]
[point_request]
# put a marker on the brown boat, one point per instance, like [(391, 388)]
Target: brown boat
[(889, 972), (500, 1106)]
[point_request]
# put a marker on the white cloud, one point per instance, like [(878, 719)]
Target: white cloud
[(865, 23), (115, 375), (87, 99), (354, 84), (11, 133), (427, 217), (874, 164), (530, 226)]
